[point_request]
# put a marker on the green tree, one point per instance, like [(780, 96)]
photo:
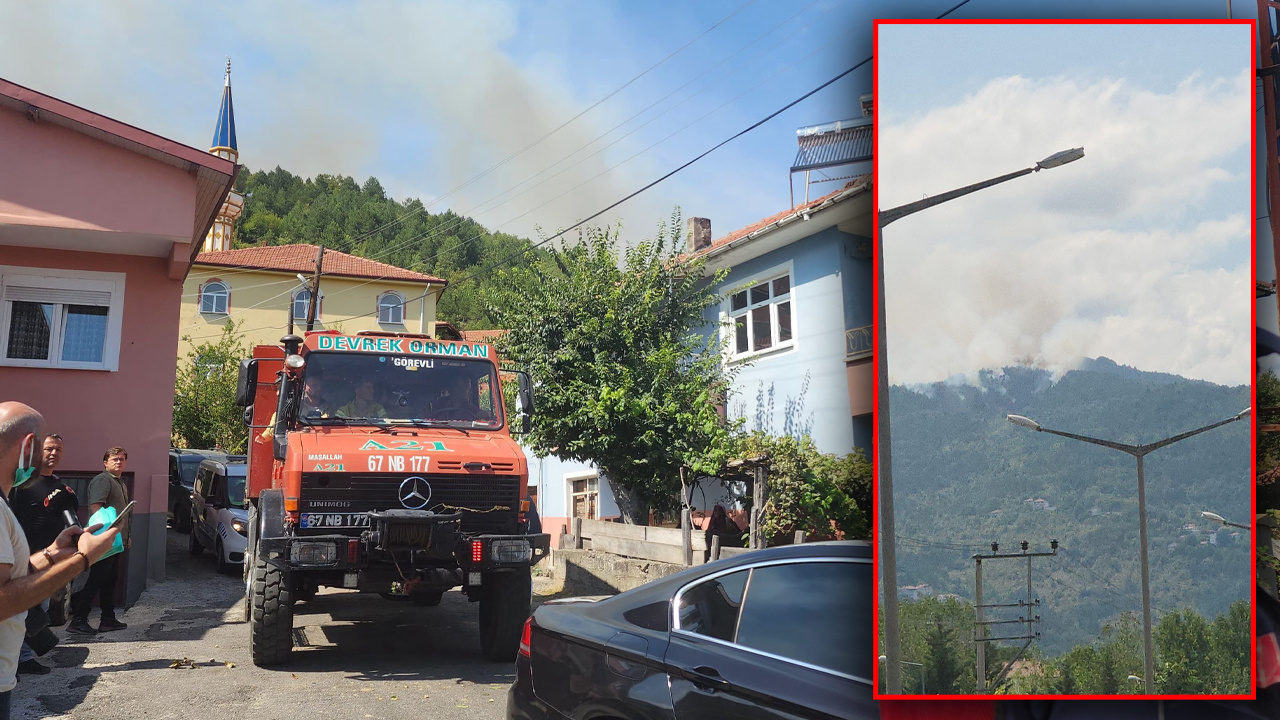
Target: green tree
[(1230, 638), (1182, 639), (205, 415), (942, 663), (624, 379)]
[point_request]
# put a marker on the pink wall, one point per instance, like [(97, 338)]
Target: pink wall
[(55, 177), (133, 407)]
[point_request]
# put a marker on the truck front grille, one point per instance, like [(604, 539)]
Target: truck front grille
[(489, 503)]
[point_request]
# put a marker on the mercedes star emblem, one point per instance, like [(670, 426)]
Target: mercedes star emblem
[(414, 493)]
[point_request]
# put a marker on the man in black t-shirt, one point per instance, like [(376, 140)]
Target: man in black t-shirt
[(38, 505)]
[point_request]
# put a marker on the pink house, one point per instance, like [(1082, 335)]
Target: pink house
[(99, 223)]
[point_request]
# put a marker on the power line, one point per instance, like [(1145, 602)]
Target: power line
[(559, 127), (654, 183), (463, 217)]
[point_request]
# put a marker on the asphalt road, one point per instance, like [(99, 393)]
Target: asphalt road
[(354, 657)]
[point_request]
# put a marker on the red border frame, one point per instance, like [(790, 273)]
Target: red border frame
[(1253, 264)]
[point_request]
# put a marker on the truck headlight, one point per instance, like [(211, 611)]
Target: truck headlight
[(509, 551), (313, 553)]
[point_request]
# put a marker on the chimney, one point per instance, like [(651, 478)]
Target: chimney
[(697, 234)]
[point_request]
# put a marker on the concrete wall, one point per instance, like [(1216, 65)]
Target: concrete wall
[(587, 573), (132, 407), (801, 390), (260, 300)]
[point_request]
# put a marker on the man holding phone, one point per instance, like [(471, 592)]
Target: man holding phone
[(26, 578), (105, 489), (39, 506)]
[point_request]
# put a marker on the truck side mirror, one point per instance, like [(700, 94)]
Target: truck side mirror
[(525, 401), (247, 384)]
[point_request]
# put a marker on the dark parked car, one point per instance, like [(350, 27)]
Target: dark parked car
[(779, 633), (182, 477)]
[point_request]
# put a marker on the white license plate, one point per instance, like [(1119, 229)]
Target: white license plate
[(335, 520)]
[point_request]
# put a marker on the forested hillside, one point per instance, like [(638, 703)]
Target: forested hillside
[(965, 477), (333, 210)]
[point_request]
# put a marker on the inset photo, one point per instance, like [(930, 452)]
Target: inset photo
[(1065, 359)]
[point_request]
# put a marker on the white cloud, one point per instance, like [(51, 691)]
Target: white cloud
[(316, 85), (1132, 252)]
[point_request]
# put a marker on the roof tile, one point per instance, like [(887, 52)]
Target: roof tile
[(302, 258)]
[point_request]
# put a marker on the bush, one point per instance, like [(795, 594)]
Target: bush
[(824, 495)]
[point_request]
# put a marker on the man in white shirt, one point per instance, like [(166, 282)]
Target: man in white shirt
[(27, 580)]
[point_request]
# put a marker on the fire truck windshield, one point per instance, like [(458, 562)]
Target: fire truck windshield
[(366, 388)]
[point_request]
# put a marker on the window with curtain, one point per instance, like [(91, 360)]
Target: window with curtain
[(60, 318)]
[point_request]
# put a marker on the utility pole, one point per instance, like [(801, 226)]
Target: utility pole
[(315, 292), (1029, 619)]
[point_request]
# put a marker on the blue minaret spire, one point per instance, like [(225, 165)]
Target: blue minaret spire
[(224, 133), (221, 233)]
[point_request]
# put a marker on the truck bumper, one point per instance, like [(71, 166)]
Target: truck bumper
[(402, 542)]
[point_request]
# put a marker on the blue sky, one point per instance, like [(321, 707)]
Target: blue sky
[(427, 95), (1139, 252)]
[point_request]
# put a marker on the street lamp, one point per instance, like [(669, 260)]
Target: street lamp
[(1138, 451), (888, 553), (1219, 519), (907, 662)]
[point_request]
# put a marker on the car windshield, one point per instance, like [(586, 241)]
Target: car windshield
[(360, 388), (189, 465), (235, 489)]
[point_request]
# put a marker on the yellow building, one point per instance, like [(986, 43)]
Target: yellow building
[(258, 287)]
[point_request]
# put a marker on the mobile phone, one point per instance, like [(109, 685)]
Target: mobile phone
[(120, 518)]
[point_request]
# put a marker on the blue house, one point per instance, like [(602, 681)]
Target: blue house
[(795, 323), (796, 318)]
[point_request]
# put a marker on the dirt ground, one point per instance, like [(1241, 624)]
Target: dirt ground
[(355, 657)]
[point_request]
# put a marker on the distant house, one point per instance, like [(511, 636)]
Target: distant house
[(916, 592), (944, 597), (1191, 528), (1039, 504)]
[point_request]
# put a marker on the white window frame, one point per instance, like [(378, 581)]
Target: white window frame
[(68, 280), (293, 301), (569, 494), (225, 295), (728, 314), (400, 304)]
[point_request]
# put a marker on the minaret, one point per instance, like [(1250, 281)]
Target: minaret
[(224, 146)]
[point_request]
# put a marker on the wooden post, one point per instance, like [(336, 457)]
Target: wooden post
[(577, 533), (686, 521), (715, 547), (759, 496), (800, 536), (686, 535), (315, 292)]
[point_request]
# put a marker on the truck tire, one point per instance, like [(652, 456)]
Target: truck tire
[(505, 599), (271, 620)]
